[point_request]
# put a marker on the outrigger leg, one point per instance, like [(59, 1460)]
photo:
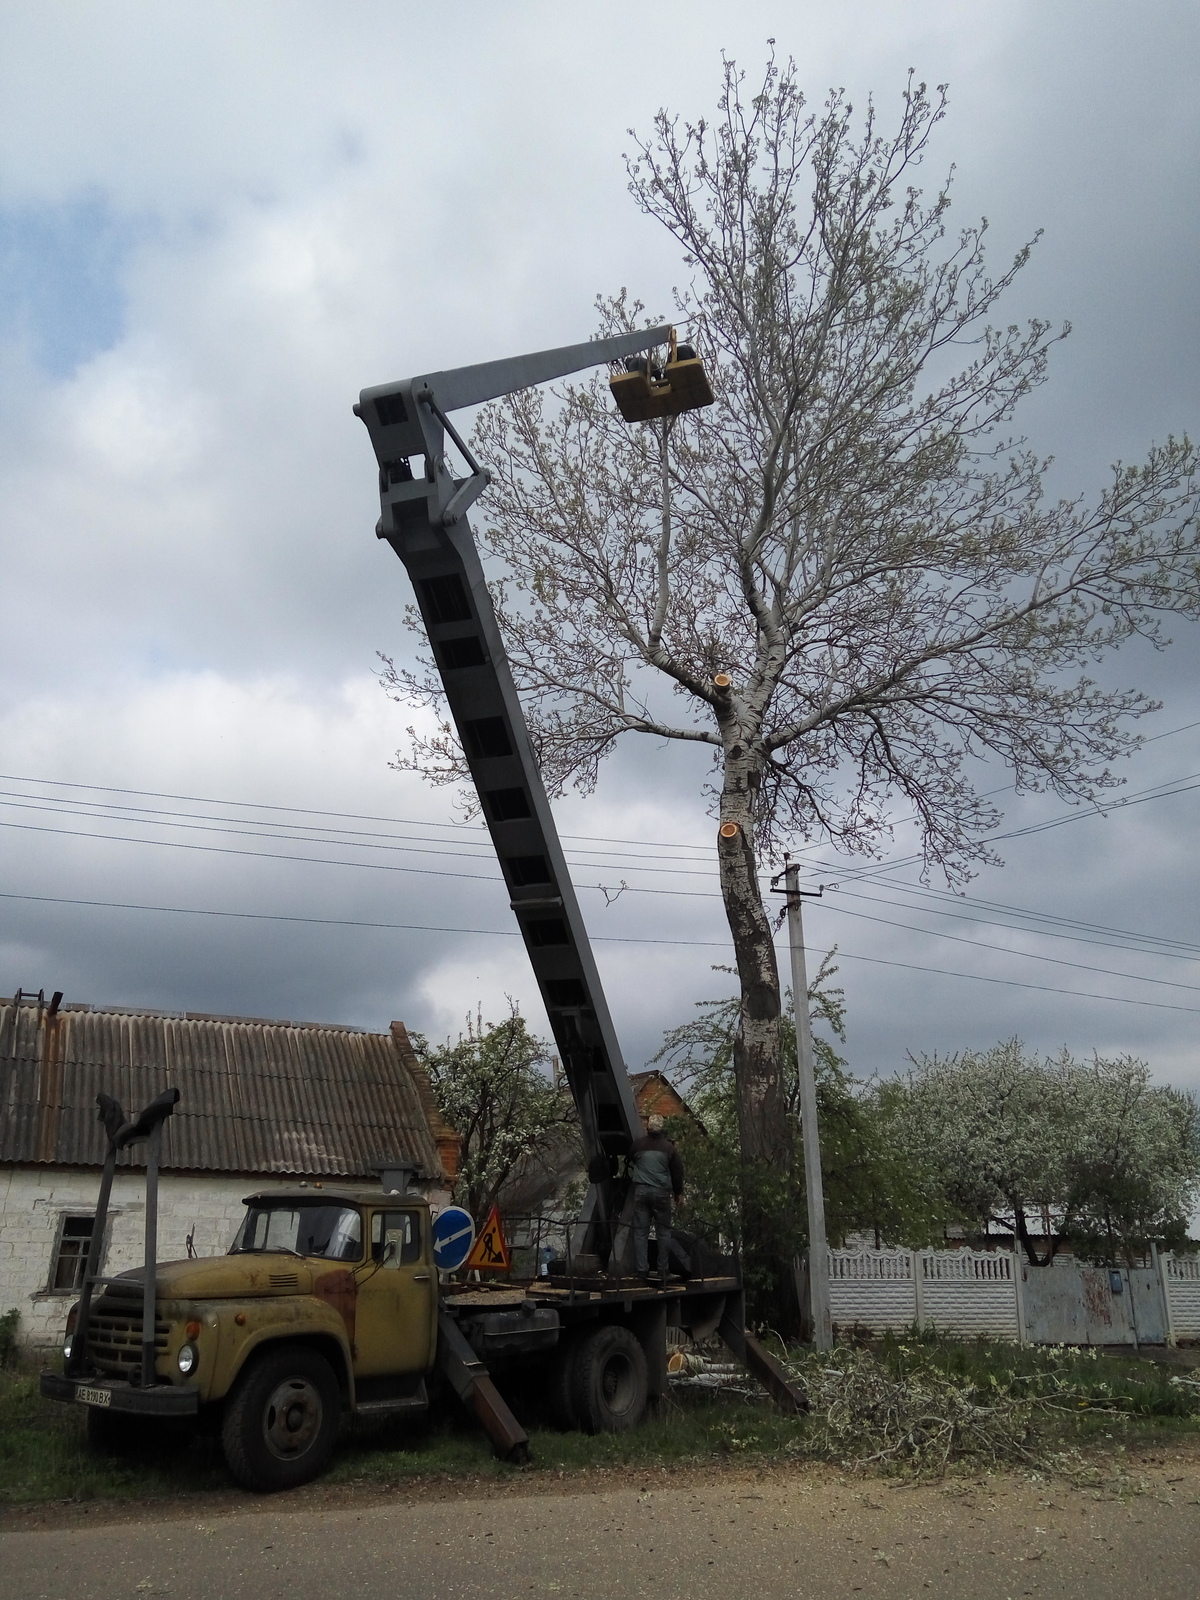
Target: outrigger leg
[(472, 1383)]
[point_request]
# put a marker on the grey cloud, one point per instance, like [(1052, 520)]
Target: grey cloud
[(192, 593)]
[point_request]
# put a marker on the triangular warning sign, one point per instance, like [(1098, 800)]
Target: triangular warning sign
[(489, 1253)]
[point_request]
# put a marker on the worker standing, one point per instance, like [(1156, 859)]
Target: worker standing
[(657, 1176)]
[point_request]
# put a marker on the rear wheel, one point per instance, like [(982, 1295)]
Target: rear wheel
[(610, 1382), (560, 1393), (281, 1421)]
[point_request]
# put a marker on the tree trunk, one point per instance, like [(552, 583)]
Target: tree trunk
[(1021, 1229), (757, 1051)]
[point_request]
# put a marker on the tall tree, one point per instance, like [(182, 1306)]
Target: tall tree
[(855, 584)]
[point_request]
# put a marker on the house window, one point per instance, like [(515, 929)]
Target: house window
[(70, 1258)]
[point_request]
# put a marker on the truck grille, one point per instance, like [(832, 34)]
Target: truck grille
[(115, 1340)]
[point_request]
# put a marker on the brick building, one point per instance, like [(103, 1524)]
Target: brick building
[(655, 1095), (261, 1104)]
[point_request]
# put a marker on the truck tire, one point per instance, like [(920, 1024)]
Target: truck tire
[(281, 1420), (560, 1393), (610, 1384)]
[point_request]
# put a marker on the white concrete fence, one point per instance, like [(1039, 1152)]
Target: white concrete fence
[(996, 1294)]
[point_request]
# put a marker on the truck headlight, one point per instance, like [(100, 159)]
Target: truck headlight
[(187, 1358), (68, 1343)]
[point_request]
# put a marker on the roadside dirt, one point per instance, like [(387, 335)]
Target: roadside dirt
[(794, 1533), (1115, 1474)]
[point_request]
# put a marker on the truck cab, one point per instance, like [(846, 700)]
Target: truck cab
[(367, 1265), (325, 1302)]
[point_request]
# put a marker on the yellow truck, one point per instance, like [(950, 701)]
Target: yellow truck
[(328, 1304)]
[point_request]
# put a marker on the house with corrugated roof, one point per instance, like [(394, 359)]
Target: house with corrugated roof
[(262, 1104)]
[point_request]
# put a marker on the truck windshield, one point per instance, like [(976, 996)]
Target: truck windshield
[(331, 1231)]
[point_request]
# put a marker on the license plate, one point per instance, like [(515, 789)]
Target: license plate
[(92, 1397)]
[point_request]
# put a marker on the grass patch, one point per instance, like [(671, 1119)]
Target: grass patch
[(44, 1454), (1007, 1404), (687, 1429)]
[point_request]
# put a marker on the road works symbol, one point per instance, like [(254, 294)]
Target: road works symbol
[(490, 1250), (453, 1236)]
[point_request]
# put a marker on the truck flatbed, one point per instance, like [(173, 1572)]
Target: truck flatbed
[(600, 1288)]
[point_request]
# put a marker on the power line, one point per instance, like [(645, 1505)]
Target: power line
[(1036, 933), (309, 811), (920, 891), (257, 832), (337, 922), (1024, 955), (843, 955), (1008, 983), (1159, 791), (1181, 950), (110, 812), (416, 822), (629, 889)]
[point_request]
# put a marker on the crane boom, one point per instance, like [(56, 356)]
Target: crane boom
[(423, 519)]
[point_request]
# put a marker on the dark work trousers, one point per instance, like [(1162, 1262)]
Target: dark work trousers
[(651, 1205)]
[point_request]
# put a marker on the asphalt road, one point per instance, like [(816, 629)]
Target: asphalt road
[(729, 1535)]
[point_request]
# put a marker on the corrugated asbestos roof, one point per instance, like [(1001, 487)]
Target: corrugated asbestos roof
[(255, 1096)]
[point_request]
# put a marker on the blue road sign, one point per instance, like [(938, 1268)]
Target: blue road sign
[(453, 1236)]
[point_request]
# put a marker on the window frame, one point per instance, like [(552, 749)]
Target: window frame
[(72, 1214), (403, 1259)]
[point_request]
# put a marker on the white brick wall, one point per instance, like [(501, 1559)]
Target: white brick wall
[(33, 1201)]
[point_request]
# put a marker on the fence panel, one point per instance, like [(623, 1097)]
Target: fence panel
[(1146, 1305), (872, 1289), (969, 1292), (1183, 1291), (1075, 1306), (975, 1294)]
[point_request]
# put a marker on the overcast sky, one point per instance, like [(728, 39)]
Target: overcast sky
[(218, 222)]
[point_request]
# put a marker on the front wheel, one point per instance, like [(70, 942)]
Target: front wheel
[(281, 1420)]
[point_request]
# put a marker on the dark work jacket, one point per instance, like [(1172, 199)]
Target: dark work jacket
[(654, 1162)]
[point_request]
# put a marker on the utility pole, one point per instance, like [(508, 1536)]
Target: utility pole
[(818, 1248)]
